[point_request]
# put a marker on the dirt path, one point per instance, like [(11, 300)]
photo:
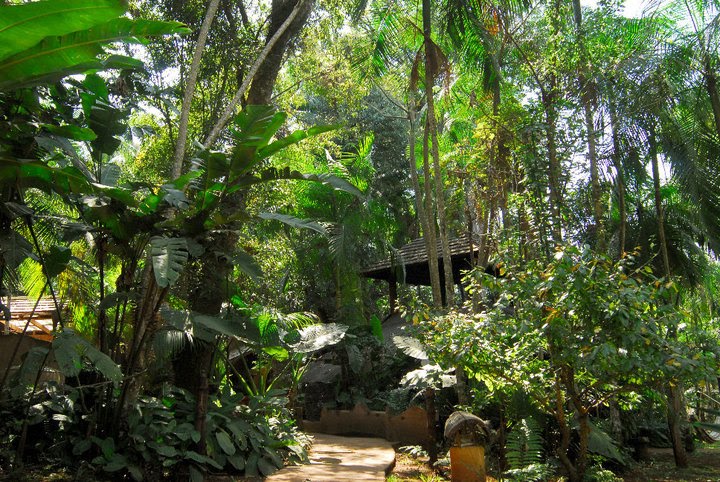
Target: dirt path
[(341, 459), (704, 466)]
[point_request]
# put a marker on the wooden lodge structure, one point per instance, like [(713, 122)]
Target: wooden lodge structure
[(409, 265)]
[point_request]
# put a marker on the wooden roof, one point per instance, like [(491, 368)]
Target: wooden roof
[(42, 323), (411, 261)]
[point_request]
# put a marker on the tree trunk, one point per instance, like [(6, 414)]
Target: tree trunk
[(422, 213), (431, 235), (587, 96), (554, 168), (190, 89), (659, 211), (229, 111), (674, 393), (263, 81), (712, 90), (619, 178), (431, 125)]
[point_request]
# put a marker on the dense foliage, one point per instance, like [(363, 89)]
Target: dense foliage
[(198, 185)]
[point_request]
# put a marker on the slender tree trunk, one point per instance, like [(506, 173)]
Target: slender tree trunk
[(659, 211), (554, 168), (423, 214), (619, 178), (431, 236), (432, 127), (674, 391), (587, 96), (238, 97), (712, 90), (190, 89)]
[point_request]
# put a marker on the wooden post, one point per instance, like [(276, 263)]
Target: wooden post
[(392, 295)]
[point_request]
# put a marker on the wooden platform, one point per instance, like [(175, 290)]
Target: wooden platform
[(42, 323)]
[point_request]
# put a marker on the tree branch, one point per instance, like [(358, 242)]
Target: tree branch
[(230, 109), (190, 89)]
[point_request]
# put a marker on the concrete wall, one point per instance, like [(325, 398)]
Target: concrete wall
[(406, 428), (7, 346)]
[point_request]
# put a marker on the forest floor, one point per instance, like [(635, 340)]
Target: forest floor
[(704, 467)]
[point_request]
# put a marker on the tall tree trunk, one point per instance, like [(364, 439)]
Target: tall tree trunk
[(712, 90), (422, 213), (619, 178), (554, 168), (587, 96), (264, 80), (659, 211), (674, 391), (190, 89), (431, 235), (432, 127), (229, 111)]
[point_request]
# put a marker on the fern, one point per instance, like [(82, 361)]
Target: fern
[(524, 444)]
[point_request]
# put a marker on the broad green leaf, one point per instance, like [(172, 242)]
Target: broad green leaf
[(56, 57), (57, 259), (72, 132), (22, 26), (224, 442), (293, 138), (266, 468), (237, 461), (273, 174), (196, 474), (293, 221), (39, 175), (70, 349), (316, 337), (253, 129), (117, 462), (247, 264), (168, 256)]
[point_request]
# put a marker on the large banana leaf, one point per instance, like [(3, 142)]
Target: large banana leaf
[(22, 26), (56, 57)]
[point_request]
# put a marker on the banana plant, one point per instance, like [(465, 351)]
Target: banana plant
[(42, 42)]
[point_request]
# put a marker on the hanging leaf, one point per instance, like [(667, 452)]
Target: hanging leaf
[(56, 57), (247, 264), (410, 346), (70, 350), (293, 138), (293, 221), (57, 260), (222, 326), (22, 26), (169, 255), (14, 249), (355, 358), (33, 363), (316, 337)]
